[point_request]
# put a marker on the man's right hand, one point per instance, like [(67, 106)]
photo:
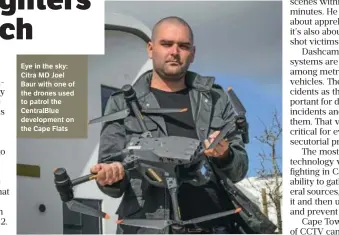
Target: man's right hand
[(108, 174)]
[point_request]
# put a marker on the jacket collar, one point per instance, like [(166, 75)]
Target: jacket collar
[(192, 80)]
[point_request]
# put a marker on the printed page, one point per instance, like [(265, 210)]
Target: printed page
[(169, 117)]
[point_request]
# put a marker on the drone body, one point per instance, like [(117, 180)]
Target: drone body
[(159, 161)]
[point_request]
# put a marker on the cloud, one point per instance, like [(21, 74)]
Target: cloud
[(240, 39)]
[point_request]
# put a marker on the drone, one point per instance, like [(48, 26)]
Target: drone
[(158, 160)]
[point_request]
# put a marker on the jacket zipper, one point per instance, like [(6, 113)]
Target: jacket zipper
[(197, 113)]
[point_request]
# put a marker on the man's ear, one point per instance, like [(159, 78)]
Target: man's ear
[(193, 54), (149, 50)]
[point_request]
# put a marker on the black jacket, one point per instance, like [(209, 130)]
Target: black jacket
[(211, 111)]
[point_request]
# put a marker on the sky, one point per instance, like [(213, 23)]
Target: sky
[(260, 103), (237, 42)]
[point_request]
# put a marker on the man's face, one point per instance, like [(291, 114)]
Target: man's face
[(172, 50)]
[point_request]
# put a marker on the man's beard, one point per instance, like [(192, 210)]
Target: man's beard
[(170, 75)]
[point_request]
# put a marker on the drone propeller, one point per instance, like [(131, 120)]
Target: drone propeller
[(124, 113), (76, 206), (240, 121), (111, 117), (145, 223), (163, 110), (162, 224)]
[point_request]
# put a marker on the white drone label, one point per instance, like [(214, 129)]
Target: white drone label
[(134, 147)]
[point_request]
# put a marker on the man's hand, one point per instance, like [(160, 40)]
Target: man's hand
[(220, 151), (108, 174)]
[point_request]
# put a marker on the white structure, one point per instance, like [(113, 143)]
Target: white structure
[(252, 186)]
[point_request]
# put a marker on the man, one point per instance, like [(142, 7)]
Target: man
[(171, 85)]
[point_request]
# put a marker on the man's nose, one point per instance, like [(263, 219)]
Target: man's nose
[(174, 49)]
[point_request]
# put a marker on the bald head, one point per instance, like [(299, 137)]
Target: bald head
[(171, 49), (174, 20)]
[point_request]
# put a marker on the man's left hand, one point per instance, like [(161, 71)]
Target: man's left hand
[(221, 150)]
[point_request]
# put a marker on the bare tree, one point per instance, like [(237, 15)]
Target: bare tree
[(269, 172)]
